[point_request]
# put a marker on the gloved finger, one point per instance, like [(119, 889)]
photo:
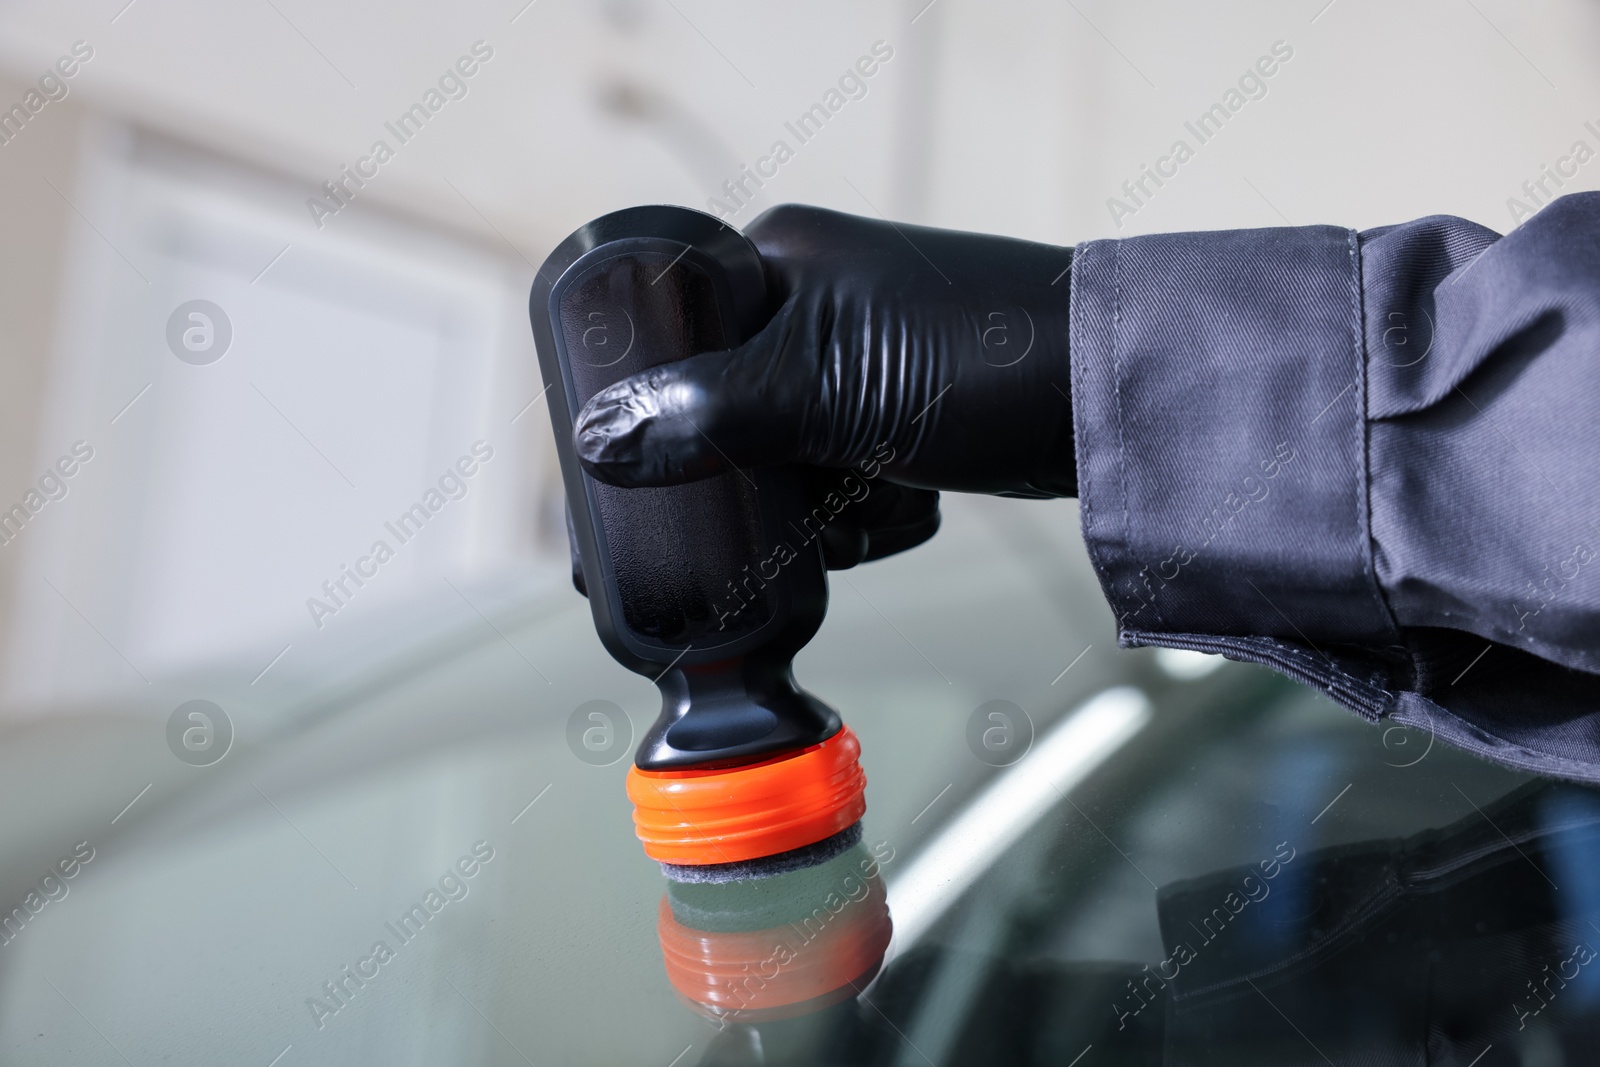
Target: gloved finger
[(911, 517), (684, 421), (862, 519)]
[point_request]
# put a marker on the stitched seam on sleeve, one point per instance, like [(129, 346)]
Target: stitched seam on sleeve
[(1079, 349), (1495, 748), (1369, 567), (1076, 354), (1116, 386)]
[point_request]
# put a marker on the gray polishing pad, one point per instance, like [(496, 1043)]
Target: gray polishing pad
[(767, 866)]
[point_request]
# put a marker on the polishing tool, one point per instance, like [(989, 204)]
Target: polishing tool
[(705, 588)]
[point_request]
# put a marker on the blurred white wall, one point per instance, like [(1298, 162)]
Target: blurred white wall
[(372, 347)]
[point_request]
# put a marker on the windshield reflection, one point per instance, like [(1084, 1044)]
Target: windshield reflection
[(776, 948), (1425, 949)]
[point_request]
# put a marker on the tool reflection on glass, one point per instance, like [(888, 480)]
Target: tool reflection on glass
[(776, 948), (707, 589), (1426, 949)]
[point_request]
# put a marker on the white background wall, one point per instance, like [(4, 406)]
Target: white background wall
[(372, 350)]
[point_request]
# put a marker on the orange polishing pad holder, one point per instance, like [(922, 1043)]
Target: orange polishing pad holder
[(694, 817)]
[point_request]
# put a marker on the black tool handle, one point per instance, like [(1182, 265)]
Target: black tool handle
[(707, 588)]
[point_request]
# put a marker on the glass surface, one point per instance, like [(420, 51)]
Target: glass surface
[(409, 867)]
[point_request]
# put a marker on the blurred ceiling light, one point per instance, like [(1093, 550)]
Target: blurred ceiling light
[(999, 816)]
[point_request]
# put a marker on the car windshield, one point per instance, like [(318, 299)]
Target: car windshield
[(1141, 857)]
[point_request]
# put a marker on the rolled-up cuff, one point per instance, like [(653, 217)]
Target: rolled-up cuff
[(1219, 405)]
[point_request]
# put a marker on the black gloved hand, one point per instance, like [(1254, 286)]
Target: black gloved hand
[(944, 351)]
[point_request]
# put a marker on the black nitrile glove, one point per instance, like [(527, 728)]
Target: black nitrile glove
[(941, 354)]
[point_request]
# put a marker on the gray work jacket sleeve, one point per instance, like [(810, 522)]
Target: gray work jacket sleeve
[(1370, 460)]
